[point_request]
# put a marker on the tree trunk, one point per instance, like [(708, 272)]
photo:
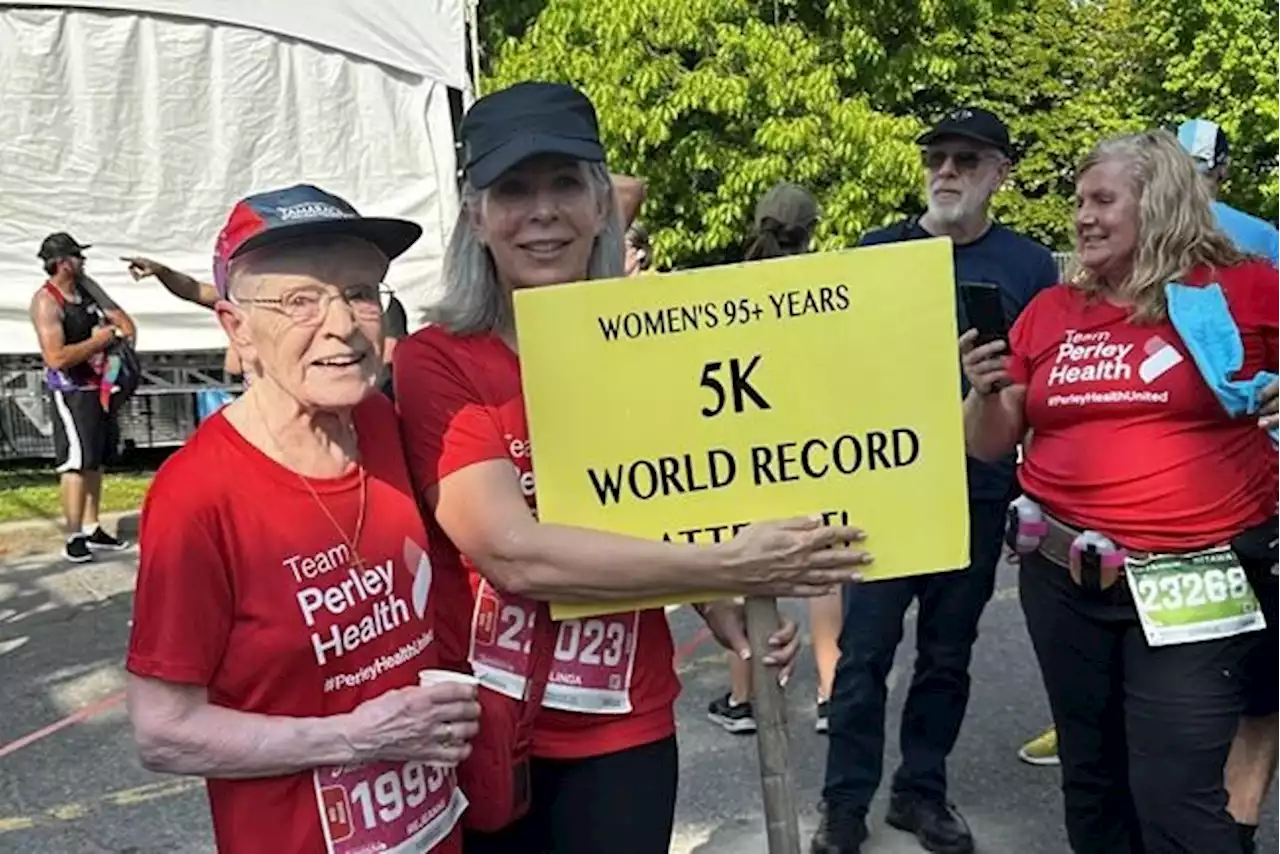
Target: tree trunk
[(781, 824)]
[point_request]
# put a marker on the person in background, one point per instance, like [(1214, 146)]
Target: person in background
[(395, 328), (1207, 144), (966, 159), (639, 252), (1251, 767), (538, 210), (785, 218), (286, 606), (1145, 453), (75, 331)]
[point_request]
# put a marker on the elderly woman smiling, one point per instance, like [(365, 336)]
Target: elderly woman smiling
[(285, 603), (1158, 498)]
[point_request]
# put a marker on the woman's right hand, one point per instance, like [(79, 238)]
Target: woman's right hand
[(986, 369), (432, 723), (792, 557)]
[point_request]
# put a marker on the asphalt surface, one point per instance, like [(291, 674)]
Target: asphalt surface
[(69, 781)]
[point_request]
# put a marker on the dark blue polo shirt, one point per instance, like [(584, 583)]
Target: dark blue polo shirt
[(1021, 268)]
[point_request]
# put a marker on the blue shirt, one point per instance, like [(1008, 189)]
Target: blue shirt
[(1021, 268), (1248, 233)]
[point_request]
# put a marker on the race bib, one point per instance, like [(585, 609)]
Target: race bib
[(1193, 597), (387, 807), (594, 657)]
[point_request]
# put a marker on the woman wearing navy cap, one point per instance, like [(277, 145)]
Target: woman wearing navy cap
[(539, 209)]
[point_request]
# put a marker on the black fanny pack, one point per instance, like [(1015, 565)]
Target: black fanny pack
[(1256, 547)]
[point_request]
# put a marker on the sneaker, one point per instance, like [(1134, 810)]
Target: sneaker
[(1041, 750), (76, 549), (841, 830), (735, 717), (823, 722), (100, 539), (937, 825)]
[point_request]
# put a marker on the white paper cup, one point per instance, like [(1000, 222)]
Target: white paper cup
[(437, 677)]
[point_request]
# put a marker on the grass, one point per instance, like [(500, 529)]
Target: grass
[(30, 493)]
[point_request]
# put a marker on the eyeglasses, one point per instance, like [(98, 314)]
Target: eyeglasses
[(965, 160), (308, 305)]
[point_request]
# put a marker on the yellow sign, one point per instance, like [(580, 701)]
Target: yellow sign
[(684, 406)]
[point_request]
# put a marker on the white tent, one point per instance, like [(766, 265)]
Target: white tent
[(136, 125)]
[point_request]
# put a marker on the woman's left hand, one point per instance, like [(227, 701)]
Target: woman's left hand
[(728, 622), (1267, 417)]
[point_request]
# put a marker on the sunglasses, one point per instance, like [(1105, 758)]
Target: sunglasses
[(965, 160)]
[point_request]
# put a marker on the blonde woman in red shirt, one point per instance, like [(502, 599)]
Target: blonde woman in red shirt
[(1149, 517)]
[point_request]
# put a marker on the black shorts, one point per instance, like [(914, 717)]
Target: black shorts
[(84, 435), (620, 803)]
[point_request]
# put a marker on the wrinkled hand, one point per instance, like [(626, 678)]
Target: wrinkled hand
[(433, 724), (140, 267), (792, 557), (985, 368), (1267, 417), (727, 621)]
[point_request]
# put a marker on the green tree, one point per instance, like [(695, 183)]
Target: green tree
[(1216, 59), (712, 103)]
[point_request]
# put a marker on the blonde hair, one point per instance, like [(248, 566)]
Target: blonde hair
[(1176, 228), (474, 300)]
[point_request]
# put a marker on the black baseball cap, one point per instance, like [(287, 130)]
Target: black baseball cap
[(523, 121), (60, 245), (972, 123)]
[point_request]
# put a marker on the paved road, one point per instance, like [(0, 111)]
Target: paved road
[(78, 788)]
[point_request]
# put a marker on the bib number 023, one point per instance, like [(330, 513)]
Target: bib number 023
[(592, 642), (1193, 597)]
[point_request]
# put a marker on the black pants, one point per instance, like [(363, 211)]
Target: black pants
[(1143, 732), (950, 605), (622, 803)]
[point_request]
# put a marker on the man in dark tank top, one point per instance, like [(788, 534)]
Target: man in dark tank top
[(75, 333)]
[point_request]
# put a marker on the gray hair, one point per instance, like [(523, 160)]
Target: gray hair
[(474, 301)]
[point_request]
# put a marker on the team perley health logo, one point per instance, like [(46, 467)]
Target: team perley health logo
[(1161, 357), (335, 586), (1090, 357)]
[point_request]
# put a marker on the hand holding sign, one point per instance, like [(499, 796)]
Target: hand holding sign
[(794, 557)]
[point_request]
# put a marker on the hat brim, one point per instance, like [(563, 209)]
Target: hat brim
[(490, 166), (937, 134), (392, 236)]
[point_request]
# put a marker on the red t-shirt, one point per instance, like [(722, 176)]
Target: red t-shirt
[(1127, 438), (612, 684), (246, 587)]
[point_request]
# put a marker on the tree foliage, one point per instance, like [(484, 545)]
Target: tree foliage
[(712, 101)]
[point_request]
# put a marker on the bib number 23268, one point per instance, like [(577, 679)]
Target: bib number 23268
[(591, 670), (1193, 597)]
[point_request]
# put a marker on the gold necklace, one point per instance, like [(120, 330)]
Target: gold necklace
[(352, 542)]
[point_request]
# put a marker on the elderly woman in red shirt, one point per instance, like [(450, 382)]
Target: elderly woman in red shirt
[(1148, 507)]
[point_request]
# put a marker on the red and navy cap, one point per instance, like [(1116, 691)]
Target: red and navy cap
[(302, 211)]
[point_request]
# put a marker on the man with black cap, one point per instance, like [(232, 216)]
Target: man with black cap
[(1207, 144), (966, 158), (75, 330)]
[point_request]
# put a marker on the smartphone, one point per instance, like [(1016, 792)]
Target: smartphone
[(985, 311)]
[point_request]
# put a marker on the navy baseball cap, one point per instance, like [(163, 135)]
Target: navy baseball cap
[(523, 121), (302, 211), (1205, 142), (972, 123)]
